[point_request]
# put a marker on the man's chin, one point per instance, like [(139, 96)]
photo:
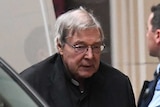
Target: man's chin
[(86, 75)]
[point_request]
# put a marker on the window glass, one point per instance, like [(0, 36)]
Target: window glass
[(11, 94)]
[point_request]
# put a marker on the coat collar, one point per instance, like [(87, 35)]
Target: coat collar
[(59, 91)]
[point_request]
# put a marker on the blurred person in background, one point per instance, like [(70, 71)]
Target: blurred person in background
[(35, 45)]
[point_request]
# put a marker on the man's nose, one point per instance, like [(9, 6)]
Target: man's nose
[(89, 53)]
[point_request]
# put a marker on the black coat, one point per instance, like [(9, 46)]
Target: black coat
[(108, 88)]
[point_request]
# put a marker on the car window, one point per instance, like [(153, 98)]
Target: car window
[(14, 92)]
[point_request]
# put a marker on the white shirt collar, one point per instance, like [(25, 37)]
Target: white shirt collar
[(158, 68)]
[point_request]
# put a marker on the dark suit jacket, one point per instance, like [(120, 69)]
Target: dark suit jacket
[(108, 88), (147, 92)]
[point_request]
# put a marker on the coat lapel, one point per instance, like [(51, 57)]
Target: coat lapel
[(59, 90)]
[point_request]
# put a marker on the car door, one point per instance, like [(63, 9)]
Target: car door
[(14, 92)]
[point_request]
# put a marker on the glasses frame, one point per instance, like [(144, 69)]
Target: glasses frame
[(84, 49)]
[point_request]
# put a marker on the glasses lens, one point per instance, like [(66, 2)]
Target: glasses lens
[(79, 50), (98, 49)]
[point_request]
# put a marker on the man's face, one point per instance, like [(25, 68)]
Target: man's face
[(151, 38), (85, 64)]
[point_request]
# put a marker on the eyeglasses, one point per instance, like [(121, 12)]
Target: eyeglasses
[(81, 48)]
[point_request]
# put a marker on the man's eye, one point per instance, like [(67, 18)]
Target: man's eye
[(80, 46)]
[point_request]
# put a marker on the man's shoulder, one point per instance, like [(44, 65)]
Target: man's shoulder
[(41, 69), (50, 60), (111, 71)]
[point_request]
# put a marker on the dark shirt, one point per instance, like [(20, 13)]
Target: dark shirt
[(79, 99)]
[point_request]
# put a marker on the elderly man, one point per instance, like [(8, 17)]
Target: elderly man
[(75, 76)]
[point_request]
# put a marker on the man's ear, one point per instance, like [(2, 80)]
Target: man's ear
[(59, 47), (158, 36)]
